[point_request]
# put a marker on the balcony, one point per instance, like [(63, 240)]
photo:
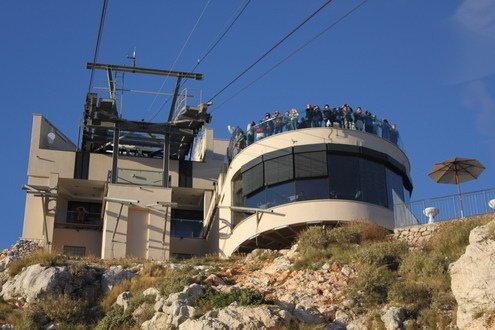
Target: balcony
[(78, 220), (273, 126)]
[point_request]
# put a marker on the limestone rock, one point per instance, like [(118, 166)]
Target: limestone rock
[(278, 265), (114, 276), (34, 282), (242, 317), (473, 276), (257, 253), (152, 292), (214, 280), (310, 315), (188, 296), (123, 299), (207, 324), (393, 318)]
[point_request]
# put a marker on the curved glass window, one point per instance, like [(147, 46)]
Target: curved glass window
[(309, 189), (310, 164), (278, 170), (344, 177), (338, 173), (252, 179)]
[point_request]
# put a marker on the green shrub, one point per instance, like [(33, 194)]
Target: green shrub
[(318, 245), (212, 299), (371, 286), (315, 237), (389, 254), (115, 319), (42, 257), (61, 309), (452, 237), (175, 280), (412, 295)]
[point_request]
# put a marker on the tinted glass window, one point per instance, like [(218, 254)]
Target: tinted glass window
[(373, 183), (344, 177), (278, 170), (311, 164), (237, 195), (308, 189), (256, 199), (252, 179), (395, 189), (280, 194)]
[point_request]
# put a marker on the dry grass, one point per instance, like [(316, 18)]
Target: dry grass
[(135, 285), (42, 257), (319, 244)]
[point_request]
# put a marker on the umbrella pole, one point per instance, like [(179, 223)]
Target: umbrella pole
[(459, 193)]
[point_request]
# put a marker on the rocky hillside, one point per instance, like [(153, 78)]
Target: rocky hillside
[(352, 277)]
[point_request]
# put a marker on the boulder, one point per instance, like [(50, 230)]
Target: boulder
[(256, 254), (393, 318), (123, 299), (278, 265), (187, 296), (242, 317), (114, 276), (473, 276), (36, 281), (152, 292)]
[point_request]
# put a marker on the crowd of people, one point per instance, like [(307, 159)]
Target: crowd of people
[(313, 116)]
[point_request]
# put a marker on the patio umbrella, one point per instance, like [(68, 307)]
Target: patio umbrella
[(455, 171)]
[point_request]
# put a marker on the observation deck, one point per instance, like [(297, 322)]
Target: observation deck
[(306, 176)]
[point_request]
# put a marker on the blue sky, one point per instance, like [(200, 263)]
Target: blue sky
[(428, 66)]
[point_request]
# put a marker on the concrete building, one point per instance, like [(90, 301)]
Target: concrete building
[(159, 189), (132, 203)]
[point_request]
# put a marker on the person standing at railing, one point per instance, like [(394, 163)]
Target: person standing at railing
[(250, 133), (81, 214), (359, 119), (277, 123), (286, 121), (386, 129), (348, 117), (268, 122), (309, 113), (317, 117), (326, 115), (259, 131), (377, 125), (339, 116), (368, 122), (293, 116), (394, 134)]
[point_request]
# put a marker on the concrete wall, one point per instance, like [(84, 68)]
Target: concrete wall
[(187, 246), (151, 228), (90, 239), (302, 212)]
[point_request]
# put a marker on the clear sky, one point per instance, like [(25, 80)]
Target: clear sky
[(428, 66)]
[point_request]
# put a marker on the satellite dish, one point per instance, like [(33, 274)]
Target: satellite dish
[(491, 203), (51, 137)]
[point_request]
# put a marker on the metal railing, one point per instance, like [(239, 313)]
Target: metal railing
[(240, 139), (78, 220), (449, 207)]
